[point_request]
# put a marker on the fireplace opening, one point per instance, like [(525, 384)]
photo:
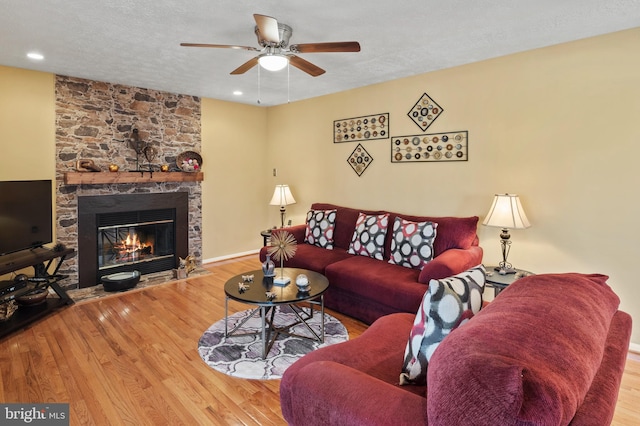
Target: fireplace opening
[(148, 239), (124, 233)]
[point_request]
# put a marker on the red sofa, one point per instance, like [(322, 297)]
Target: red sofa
[(366, 288), (549, 350)]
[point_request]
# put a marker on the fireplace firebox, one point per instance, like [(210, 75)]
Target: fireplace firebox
[(123, 233)]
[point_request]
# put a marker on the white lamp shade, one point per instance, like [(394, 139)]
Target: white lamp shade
[(282, 196), (506, 212), (272, 62)]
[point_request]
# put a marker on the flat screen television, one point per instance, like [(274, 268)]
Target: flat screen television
[(25, 215)]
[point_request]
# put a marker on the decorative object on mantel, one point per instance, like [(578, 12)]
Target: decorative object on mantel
[(367, 127), (359, 160), (150, 154), (138, 146), (164, 168), (86, 166), (283, 247), (506, 212), (189, 161), (425, 112), (113, 168), (449, 146)]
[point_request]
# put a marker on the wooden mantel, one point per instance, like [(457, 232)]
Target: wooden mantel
[(100, 178)]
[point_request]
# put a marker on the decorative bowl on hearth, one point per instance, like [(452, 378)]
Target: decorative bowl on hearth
[(120, 281)]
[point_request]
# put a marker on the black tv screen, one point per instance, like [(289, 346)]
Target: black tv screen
[(25, 215)]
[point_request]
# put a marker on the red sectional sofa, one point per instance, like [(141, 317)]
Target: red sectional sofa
[(367, 288), (549, 350)]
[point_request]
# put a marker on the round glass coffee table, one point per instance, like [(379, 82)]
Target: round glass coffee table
[(253, 288)]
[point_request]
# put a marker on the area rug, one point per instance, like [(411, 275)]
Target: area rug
[(241, 356)]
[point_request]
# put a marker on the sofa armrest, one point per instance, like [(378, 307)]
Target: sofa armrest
[(297, 231), (329, 393), (451, 262)]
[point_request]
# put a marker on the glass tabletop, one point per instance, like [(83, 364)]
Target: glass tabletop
[(256, 291)]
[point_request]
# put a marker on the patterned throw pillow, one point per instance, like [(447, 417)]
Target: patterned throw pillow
[(320, 227), (446, 305), (412, 243), (368, 237)]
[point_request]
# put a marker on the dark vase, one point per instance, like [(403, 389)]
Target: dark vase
[(268, 267)]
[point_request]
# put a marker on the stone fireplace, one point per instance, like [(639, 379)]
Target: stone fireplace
[(123, 233), (95, 121)]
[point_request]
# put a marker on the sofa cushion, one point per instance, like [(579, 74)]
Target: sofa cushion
[(529, 357), (369, 236), (447, 304), (315, 258), (320, 228), (368, 280), (412, 243)]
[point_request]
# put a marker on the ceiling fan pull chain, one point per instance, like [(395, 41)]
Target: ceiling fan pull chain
[(288, 83), (258, 85)]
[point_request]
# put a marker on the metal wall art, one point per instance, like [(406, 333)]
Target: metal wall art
[(364, 128), (359, 160), (448, 146), (425, 112)]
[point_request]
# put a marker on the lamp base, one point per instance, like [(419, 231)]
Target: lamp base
[(505, 271)]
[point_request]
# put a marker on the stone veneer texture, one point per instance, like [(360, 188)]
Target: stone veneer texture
[(95, 120)]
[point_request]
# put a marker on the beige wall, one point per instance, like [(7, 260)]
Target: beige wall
[(555, 125), (234, 192), (27, 127)]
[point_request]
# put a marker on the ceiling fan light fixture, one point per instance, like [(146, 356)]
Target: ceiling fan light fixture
[(273, 62)]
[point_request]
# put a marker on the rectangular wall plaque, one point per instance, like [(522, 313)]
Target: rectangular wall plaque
[(363, 128), (448, 146)]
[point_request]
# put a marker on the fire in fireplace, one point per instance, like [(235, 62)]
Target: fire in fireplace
[(123, 233), (131, 243)]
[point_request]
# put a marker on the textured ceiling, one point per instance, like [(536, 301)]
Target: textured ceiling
[(136, 42)]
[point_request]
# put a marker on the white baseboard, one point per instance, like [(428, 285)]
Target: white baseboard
[(634, 347), (230, 256)]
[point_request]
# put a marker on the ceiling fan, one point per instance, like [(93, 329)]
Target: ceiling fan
[(275, 52)]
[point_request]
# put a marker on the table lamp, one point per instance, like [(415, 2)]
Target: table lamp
[(282, 197), (506, 212)]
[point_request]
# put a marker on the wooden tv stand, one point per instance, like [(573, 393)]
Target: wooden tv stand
[(40, 259)]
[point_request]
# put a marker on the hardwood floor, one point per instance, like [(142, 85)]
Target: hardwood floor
[(132, 359)]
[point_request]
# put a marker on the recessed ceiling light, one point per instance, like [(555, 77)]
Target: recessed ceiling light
[(237, 92), (35, 56)]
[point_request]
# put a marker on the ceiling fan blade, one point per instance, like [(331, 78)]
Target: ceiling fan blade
[(306, 66), (245, 67), (338, 46), (268, 28), (221, 46)]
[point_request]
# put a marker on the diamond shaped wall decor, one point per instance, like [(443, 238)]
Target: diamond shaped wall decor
[(425, 112), (359, 160)]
